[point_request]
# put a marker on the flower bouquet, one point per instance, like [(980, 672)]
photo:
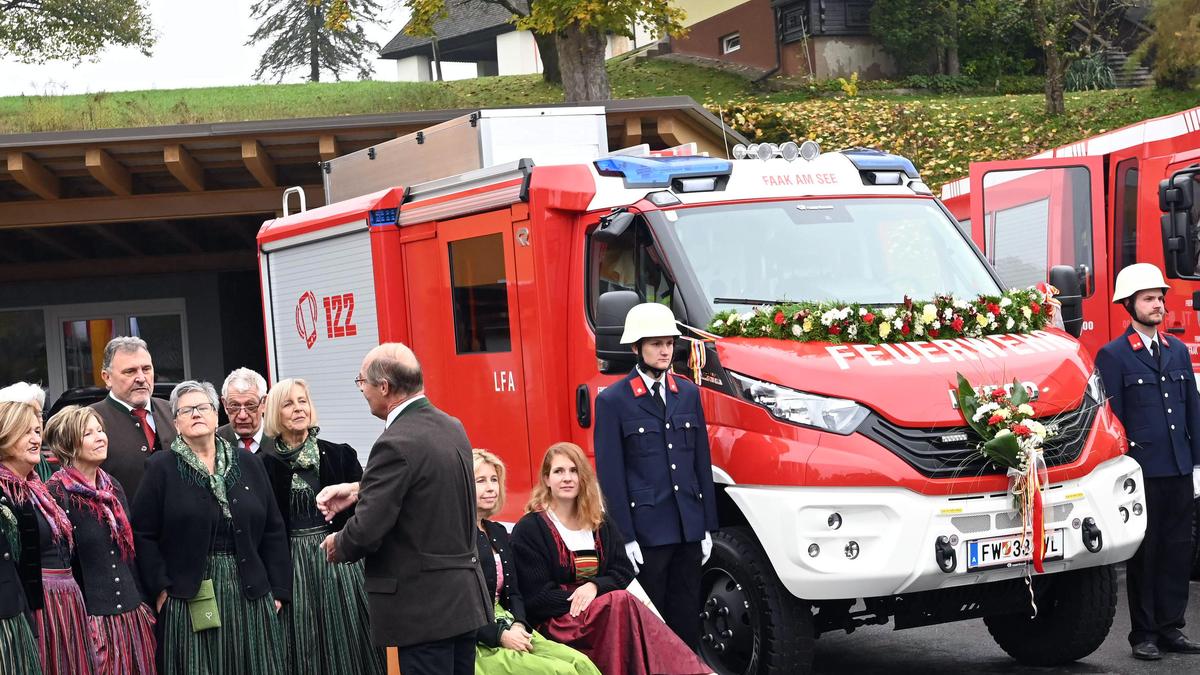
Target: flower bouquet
[(1012, 439)]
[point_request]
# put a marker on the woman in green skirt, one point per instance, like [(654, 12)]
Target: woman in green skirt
[(211, 548), (18, 648), (510, 645), (325, 627)]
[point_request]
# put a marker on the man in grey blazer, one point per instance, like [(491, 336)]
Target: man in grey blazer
[(137, 424), (244, 396), (414, 523)]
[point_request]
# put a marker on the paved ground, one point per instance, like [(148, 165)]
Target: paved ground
[(966, 647)]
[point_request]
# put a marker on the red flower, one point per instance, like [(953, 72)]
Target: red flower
[(1037, 309), (869, 317), (996, 394), (957, 324), (993, 308), (995, 419), (835, 329), (780, 319), (933, 333), (904, 330), (1021, 430)]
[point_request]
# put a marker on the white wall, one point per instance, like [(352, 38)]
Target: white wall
[(517, 53), (413, 69)]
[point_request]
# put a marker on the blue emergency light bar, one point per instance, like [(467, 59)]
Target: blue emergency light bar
[(868, 159), (644, 172)]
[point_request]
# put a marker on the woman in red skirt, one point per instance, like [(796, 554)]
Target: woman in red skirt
[(95, 502), (572, 569)]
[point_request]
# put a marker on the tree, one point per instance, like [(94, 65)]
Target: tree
[(426, 13), (36, 31), (917, 44), (580, 29), (1052, 22), (318, 34), (1174, 44)]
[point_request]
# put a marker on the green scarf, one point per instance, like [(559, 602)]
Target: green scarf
[(304, 457), (226, 473)]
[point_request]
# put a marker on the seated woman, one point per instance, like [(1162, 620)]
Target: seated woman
[(325, 626), (95, 502), (45, 543), (510, 645), (571, 562)]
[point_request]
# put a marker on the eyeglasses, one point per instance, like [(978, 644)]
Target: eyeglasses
[(190, 410), (360, 381), (234, 410)]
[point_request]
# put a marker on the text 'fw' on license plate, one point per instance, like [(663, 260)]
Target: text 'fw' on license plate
[(1011, 549)]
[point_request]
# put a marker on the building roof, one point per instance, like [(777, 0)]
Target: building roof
[(466, 21)]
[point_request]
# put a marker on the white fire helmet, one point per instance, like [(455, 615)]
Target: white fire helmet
[(647, 320), (1138, 277)]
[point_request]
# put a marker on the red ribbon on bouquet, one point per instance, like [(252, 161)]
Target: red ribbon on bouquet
[(1039, 533)]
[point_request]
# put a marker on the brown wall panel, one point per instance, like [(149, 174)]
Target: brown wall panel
[(754, 20)]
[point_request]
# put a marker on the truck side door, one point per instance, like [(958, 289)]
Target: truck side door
[(1038, 213), (463, 314)]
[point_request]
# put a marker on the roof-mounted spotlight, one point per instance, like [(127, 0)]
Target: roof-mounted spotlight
[(789, 151), (765, 151), (739, 151), (752, 150), (809, 150)]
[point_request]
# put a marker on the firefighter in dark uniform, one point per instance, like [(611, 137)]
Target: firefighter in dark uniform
[(1152, 390), (653, 461)]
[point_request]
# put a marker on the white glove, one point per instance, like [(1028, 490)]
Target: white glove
[(634, 553), (706, 547), (1196, 481)]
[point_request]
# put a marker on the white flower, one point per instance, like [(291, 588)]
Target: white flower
[(984, 411), (745, 316), (948, 314), (1003, 413), (889, 313), (1025, 409), (1037, 429), (718, 323), (959, 304), (898, 323), (1027, 312), (919, 328), (928, 313), (936, 325), (852, 331), (1005, 301), (862, 311), (1002, 433), (796, 330), (1009, 324)]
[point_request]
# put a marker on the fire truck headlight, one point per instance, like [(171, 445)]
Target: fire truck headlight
[(839, 415), (739, 151), (789, 151), (809, 150), (1095, 387)]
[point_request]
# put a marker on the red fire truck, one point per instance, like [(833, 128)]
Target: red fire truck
[(1096, 206), (850, 491)]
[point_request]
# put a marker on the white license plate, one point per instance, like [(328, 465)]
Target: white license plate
[(1011, 549)]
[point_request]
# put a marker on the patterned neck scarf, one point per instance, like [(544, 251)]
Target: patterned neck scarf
[(304, 457), (32, 489), (101, 500), (225, 472)]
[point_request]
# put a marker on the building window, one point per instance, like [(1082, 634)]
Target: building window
[(23, 343), (731, 43), (479, 291)]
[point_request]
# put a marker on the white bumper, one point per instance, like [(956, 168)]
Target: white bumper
[(896, 531)]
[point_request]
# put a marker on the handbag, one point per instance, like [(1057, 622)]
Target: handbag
[(203, 608)]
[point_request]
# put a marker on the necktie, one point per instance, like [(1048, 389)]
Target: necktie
[(656, 391), (142, 414), (1154, 351), (247, 442)]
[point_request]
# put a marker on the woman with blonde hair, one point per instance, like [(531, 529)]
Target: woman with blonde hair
[(44, 543), (325, 628), (509, 645), (572, 566), (123, 626)]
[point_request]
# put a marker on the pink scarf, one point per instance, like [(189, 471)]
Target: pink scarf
[(32, 489), (101, 499)]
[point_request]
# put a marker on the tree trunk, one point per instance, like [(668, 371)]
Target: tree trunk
[(1055, 69), (581, 62), (548, 52), (952, 65), (314, 61)]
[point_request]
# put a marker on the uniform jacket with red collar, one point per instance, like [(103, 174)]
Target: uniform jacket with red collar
[(1156, 400), (654, 464)]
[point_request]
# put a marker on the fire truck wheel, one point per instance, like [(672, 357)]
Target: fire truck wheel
[(1196, 540), (751, 623), (1074, 615)]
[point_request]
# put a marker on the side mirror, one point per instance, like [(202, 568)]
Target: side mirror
[(613, 226), (614, 357), (1066, 280), (1176, 198)]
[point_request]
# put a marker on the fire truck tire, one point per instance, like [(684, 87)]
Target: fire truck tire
[(751, 625), (1074, 616), (1196, 540)]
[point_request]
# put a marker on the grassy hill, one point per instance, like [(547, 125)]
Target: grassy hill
[(942, 134)]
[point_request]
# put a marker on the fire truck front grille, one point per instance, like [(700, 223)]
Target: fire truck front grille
[(951, 452)]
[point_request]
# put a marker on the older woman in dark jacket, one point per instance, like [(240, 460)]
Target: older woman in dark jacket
[(211, 548), (325, 627), (18, 649), (122, 625)]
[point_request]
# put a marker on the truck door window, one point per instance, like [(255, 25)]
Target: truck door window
[(629, 263), (1126, 213), (1036, 219), (479, 295)]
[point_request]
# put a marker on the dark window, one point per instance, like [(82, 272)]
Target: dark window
[(479, 291), (629, 263), (731, 43), (1126, 213)]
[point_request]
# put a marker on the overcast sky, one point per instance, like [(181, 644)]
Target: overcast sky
[(199, 44)]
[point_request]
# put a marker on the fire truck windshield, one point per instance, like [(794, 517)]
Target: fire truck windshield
[(875, 250)]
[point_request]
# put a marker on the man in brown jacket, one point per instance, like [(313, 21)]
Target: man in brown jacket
[(414, 523), (137, 424)]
